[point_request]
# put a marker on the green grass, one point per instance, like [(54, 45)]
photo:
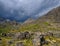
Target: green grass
[(42, 27)]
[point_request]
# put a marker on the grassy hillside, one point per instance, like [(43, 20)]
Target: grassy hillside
[(49, 22)]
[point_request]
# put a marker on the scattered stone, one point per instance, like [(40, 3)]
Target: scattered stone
[(36, 40), (27, 35), (42, 40), (7, 34), (39, 39), (57, 35), (24, 35), (4, 34), (21, 36), (10, 42), (19, 44), (50, 33), (10, 34)]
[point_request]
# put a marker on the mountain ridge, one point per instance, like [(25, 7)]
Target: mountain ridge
[(53, 15)]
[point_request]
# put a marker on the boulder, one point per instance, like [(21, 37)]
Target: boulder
[(10, 34), (19, 44), (50, 33), (10, 42), (4, 34), (42, 40), (57, 35), (22, 35), (39, 39), (17, 35), (27, 35), (36, 39)]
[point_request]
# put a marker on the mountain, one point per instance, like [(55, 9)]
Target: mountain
[(49, 21), (52, 16), (7, 25), (28, 21)]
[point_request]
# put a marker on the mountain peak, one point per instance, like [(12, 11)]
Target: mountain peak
[(53, 15)]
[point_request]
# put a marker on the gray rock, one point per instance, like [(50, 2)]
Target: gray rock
[(10, 34), (19, 44), (27, 35), (24, 35), (21, 36), (57, 35), (10, 42), (42, 40), (39, 39), (49, 33), (17, 35), (36, 39)]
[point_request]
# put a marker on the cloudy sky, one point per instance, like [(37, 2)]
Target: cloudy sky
[(21, 10)]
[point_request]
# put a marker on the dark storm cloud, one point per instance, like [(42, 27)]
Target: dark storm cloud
[(22, 9)]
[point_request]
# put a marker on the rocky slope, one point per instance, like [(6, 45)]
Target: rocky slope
[(46, 23), (6, 25), (52, 16)]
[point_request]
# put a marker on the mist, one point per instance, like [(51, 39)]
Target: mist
[(20, 10)]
